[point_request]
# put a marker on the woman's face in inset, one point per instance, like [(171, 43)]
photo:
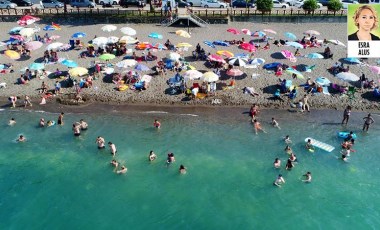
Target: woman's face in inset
[(366, 20)]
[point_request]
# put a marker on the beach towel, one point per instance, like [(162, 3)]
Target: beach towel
[(325, 90)]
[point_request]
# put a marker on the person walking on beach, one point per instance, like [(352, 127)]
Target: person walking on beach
[(27, 101), (112, 148), (279, 180), (60, 118), (368, 120), (346, 115), (100, 141), (305, 104)]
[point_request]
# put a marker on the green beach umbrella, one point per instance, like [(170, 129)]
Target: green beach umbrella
[(106, 57)]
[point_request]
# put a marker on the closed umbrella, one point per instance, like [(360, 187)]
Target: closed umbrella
[(225, 53), (347, 76), (314, 55), (54, 45), (33, 45), (322, 81), (155, 35), (36, 66), (192, 75), (290, 35), (69, 63), (106, 57), (141, 67), (234, 72), (295, 44), (12, 54), (108, 28), (216, 58), (128, 31), (174, 56), (79, 35), (27, 32), (126, 63), (336, 42), (78, 71), (209, 77), (99, 41), (238, 61)]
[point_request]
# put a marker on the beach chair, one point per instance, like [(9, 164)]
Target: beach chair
[(351, 92), (169, 64)]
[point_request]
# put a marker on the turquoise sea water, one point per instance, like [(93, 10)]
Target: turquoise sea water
[(58, 181)]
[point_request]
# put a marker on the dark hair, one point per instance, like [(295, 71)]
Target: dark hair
[(110, 143)]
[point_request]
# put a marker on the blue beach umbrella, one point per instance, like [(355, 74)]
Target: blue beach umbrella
[(209, 44), (49, 28), (352, 60), (36, 66), (155, 35), (294, 44), (290, 35), (258, 34), (220, 43), (271, 65), (69, 63), (142, 67), (15, 30), (322, 81), (79, 35), (159, 46), (314, 55)]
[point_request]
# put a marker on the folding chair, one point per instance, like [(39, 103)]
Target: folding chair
[(351, 92)]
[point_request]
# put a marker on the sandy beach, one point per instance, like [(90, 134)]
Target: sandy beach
[(264, 83)]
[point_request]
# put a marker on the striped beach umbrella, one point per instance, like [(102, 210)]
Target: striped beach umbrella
[(238, 61)]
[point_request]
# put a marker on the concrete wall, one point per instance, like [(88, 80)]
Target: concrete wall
[(290, 19)]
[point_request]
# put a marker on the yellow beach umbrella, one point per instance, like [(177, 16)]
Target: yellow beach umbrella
[(184, 44), (183, 33), (225, 53), (12, 54), (78, 71), (210, 77)]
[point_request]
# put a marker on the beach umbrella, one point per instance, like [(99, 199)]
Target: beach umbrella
[(33, 45), (128, 31), (293, 71), (79, 35), (99, 41), (289, 55), (54, 45), (270, 31), (155, 35), (128, 40), (183, 33), (143, 46), (258, 34), (108, 28), (314, 55), (220, 43), (126, 63), (184, 44), (112, 39), (257, 61), (12, 54), (209, 77), (50, 28), (234, 72), (36, 66), (347, 76), (290, 35), (141, 67), (233, 31), (26, 32), (336, 42), (225, 53), (69, 63), (294, 44), (146, 78), (246, 31), (192, 75), (106, 57), (17, 37), (248, 47), (311, 32), (27, 20), (238, 61), (78, 71), (352, 60), (216, 58), (174, 56), (209, 44), (375, 69), (15, 30), (322, 81)]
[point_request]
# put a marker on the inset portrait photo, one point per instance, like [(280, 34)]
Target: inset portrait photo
[(363, 22)]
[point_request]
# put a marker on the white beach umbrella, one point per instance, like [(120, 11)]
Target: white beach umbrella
[(174, 56), (54, 45), (112, 39), (109, 28), (146, 78), (347, 76), (209, 76), (26, 32), (257, 61), (192, 75), (100, 41), (128, 31), (126, 63), (128, 40)]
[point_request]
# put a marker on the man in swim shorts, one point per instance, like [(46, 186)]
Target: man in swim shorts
[(60, 119), (368, 120), (112, 148), (157, 124), (279, 180), (100, 141), (257, 126)]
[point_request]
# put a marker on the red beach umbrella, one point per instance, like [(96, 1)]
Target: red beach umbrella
[(27, 20), (247, 46), (233, 30)]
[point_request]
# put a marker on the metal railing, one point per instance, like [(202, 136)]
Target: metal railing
[(198, 19)]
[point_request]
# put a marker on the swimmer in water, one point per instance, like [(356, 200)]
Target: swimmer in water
[(12, 121), (279, 180), (170, 158), (122, 170), (152, 156), (287, 139), (182, 169), (21, 138), (115, 163), (100, 141), (288, 150), (274, 123), (60, 118), (277, 163), (42, 122), (157, 124), (49, 123), (112, 148), (346, 151), (257, 126), (83, 124), (76, 130), (289, 165), (308, 145), (293, 157), (308, 177)]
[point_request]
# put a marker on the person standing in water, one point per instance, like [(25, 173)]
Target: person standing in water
[(182, 169), (257, 126), (83, 124), (277, 163), (157, 124), (27, 101), (152, 156), (279, 180), (346, 115), (112, 148), (307, 177), (76, 130), (60, 118), (100, 141), (21, 138), (122, 170), (12, 121), (274, 123), (368, 120)]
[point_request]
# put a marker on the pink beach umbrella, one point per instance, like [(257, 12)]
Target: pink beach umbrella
[(270, 31), (27, 20), (233, 30), (289, 55), (33, 45), (246, 31), (18, 37), (247, 46), (216, 58), (375, 69), (234, 72)]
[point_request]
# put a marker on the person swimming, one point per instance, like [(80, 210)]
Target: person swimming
[(170, 158), (157, 124), (42, 122), (279, 180), (277, 163), (308, 177), (274, 123), (122, 170), (287, 139), (50, 123), (288, 150), (114, 163), (293, 157), (289, 165), (83, 124), (309, 146), (257, 126), (21, 138), (12, 121), (152, 156), (182, 169)]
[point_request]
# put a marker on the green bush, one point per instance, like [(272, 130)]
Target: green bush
[(334, 5), (310, 5), (264, 5)]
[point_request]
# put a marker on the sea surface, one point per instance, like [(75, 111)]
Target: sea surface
[(57, 181)]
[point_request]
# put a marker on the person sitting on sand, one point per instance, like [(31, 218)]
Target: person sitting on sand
[(122, 170), (327, 53), (267, 46), (277, 163), (257, 127), (279, 70)]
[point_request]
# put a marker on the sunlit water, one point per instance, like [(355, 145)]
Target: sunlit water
[(58, 181)]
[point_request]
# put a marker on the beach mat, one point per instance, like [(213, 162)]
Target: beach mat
[(325, 90)]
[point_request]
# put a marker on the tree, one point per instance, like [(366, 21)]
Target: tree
[(310, 5), (264, 5), (334, 5)]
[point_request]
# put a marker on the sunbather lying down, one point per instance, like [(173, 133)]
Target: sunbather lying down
[(250, 90)]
